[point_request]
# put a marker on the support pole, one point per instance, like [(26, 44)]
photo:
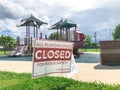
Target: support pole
[(34, 31), (95, 36), (18, 41), (57, 33), (26, 33), (31, 48), (60, 34), (66, 34), (40, 35), (69, 34), (45, 36)]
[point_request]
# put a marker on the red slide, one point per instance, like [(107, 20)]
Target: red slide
[(79, 40)]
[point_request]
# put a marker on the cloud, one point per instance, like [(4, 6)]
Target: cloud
[(11, 10), (100, 20), (90, 15), (10, 14), (9, 24)]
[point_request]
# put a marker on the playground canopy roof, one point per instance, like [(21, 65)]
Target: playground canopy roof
[(68, 24), (56, 25), (63, 24), (32, 21)]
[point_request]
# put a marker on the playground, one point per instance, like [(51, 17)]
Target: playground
[(24, 45)]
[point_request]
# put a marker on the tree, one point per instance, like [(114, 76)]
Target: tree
[(56, 35), (116, 33), (88, 40), (7, 42)]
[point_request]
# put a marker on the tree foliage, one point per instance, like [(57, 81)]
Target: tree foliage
[(88, 40), (56, 35), (116, 33), (7, 42)]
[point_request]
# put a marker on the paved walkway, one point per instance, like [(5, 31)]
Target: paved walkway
[(89, 69)]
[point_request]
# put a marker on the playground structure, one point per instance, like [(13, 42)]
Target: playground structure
[(24, 45), (75, 36)]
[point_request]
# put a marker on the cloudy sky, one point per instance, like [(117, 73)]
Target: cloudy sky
[(100, 16)]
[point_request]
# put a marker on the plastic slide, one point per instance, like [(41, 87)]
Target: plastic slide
[(79, 40), (17, 51)]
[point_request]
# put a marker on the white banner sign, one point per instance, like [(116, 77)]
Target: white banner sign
[(73, 67), (51, 57)]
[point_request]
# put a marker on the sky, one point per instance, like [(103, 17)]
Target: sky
[(100, 16)]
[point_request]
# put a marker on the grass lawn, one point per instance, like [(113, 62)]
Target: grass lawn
[(89, 50), (15, 81), (2, 52)]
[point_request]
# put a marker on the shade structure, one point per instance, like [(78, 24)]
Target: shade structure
[(68, 24), (56, 25), (63, 26), (31, 21)]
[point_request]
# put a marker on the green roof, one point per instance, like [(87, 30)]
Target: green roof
[(68, 24), (56, 25), (63, 24), (31, 21)]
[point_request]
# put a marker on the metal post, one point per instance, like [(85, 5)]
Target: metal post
[(45, 36), (57, 33), (66, 35), (40, 35), (95, 36), (34, 31)]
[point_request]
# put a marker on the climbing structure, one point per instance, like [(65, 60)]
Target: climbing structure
[(63, 27), (32, 21), (27, 45)]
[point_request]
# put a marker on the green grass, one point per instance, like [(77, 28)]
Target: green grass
[(15, 81), (2, 52), (89, 50)]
